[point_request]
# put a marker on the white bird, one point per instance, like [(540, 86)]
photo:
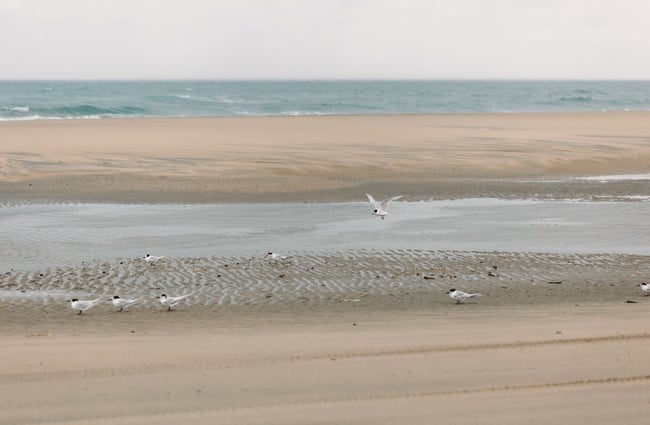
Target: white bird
[(123, 303), (83, 305), (460, 296), (645, 288), (171, 302), (275, 256), (153, 259), (380, 209)]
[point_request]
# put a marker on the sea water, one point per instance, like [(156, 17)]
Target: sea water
[(45, 235), (29, 100)]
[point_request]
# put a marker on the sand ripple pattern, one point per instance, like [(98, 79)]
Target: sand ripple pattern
[(348, 276)]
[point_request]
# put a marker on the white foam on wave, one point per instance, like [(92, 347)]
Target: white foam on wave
[(305, 113), (84, 117), (30, 118)]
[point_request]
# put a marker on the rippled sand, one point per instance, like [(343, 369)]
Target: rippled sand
[(371, 280)]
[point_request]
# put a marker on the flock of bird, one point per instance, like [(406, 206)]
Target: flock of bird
[(379, 209), (82, 305)]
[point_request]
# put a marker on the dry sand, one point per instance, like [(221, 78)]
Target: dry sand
[(462, 365), (354, 338), (331, 158)]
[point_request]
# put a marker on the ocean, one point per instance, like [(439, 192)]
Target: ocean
[(32, 100)]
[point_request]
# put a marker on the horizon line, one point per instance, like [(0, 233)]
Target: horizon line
[(322, 79)]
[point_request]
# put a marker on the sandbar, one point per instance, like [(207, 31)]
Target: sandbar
[(322, 158)]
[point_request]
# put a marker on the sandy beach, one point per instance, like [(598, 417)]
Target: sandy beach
[(325, 158), (335, 334), (466, 364)]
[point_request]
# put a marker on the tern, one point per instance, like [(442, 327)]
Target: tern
[(171, 302), (153, 259), (275, 256), (380, 209), (460, 296), (123, 303), (645, 288), (83, 305)]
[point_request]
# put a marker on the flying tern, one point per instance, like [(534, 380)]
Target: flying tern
[(380, 209)]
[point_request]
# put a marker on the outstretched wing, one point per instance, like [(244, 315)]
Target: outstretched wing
[(385, 202), (376, 205)]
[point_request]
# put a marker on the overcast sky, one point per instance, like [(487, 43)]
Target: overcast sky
[(306, 39)]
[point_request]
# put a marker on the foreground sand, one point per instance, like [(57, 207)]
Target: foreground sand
[(462, 365), (331, 158), (360, 338)]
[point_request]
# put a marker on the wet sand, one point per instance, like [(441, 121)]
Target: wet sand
[(326, 159), (372, 280), (360, 336)]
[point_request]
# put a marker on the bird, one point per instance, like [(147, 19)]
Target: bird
[(123, 303), (380, 209), (275, 256), (460, 296), (83, 305), (645, 288), (171, 302), (153, 259)]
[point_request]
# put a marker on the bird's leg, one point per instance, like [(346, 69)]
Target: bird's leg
[(80, 311), (169, 308)]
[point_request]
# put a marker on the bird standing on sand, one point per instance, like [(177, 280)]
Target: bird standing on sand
[(645, 288), (380, 209), (83, 305), (460, 296), (153, 259), (274, 256), (171, 302), (123, 303)]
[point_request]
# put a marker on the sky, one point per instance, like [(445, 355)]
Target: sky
[(324, 39)]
